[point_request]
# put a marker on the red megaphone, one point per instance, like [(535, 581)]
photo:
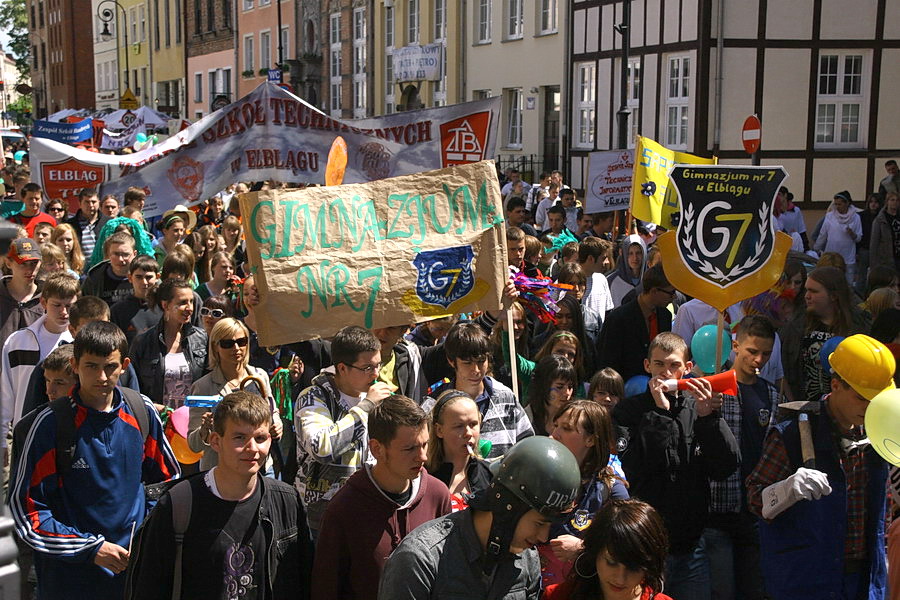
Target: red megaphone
[(725, 383)]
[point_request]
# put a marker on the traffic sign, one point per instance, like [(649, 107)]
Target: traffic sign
[(751, 134), (275, 75), (128, 100)]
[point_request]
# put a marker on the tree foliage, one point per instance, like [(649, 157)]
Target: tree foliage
[(15, 18)]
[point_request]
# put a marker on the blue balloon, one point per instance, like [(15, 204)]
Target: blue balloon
[(703, 348), (636, 385), (826, 350)]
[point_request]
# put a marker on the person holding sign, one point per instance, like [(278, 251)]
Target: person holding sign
[(823, 528)]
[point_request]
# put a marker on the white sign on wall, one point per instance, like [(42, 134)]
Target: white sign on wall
[(418, 63)]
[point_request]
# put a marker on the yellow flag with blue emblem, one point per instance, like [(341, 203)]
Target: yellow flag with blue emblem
[(652, 198)]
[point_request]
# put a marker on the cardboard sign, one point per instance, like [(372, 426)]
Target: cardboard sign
[(272, 134), (389, 252), (651, 198), (726, 248), (609, 181)]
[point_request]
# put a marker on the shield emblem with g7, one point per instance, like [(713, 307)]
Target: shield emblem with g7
[(723, 249)]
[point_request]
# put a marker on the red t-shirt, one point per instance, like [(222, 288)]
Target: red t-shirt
[(29, 223)]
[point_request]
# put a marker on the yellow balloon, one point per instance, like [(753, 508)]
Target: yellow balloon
[(883, 425)]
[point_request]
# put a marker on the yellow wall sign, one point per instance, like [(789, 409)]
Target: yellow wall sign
[(128, 100)]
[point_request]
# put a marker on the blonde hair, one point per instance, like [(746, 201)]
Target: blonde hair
[(879, 300), (75, 259), (225, 328)]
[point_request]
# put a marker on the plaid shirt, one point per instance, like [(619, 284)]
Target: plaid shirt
[(775, 466), (729, 496)]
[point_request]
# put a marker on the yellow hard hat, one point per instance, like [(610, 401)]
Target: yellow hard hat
[(865, 364)]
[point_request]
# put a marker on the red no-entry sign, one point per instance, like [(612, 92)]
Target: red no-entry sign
[(751, 133)]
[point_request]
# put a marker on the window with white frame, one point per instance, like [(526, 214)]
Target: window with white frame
[(678, 100), (359, 63), (213, 77), (439, 90), (134, 25), (547, 17), (143, 16), (225, 82), (248, 4), (515, 19), (388, 60), (334, 53), (265, 2), (634, 100), (483, 22), (513, 117), (285, 44), (841, 99), (265, 49), (585, 97), (248, 53), (198, 87), (412, 22)]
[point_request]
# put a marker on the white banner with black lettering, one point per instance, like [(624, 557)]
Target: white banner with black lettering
[(609, 181)]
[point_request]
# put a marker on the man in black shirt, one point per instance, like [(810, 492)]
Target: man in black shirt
[(108, 279), (132, 313)]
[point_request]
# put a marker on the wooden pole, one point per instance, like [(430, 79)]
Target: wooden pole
[(513, 355), (720, 327)]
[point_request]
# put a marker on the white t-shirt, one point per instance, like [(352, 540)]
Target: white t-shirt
[(48, 341), (791, 222)]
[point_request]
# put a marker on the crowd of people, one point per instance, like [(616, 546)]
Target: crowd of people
[(155, 448)]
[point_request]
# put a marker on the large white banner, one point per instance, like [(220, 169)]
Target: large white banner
[(272, 134), (609, 181)]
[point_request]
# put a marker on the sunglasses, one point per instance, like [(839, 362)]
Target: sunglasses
[(229, 344), (215, 313), (56, 209)]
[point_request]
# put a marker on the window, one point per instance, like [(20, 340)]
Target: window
[(248, 52), (439, 91), (143, 22), (210, 15), (265, 49), (388, 60), (483, 32), (440, 19), (167, 11), (213, 85), (226, 14), (134, 25), (265, 2), (840, 99), (513, 117), (585, 103), (198, 87), (678, 99), (634, 100), (514, 19), (285, 50), (412, 22), (248, 4), (359, 63), (156, 37), (548, 11), (178, 21), (198, 18), (225, 82), (334, 53)]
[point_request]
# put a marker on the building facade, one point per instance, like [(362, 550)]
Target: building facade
[(264, 41), (210, 44), (62, 55), (106, 60), (820, 81), (516, 49)]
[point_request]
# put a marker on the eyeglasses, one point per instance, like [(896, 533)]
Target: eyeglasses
[(215, 313), (229, 344), (368, 369)]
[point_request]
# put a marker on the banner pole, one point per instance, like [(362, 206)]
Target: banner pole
[(513, 356), (720, 327)]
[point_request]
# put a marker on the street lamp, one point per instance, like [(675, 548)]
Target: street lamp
[(106, 15)]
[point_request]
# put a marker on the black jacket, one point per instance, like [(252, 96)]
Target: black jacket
[(148, 354), (624, 339), (283, 521), (74, 221), (669, 458), (103, 283)]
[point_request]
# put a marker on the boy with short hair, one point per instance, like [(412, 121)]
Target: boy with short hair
[(108, 279), (32, 198), (42, 232), (503, 422), (556, 221), (25, 348), (671, 445), (515, 247), (78, 515), (58, 373), (379, 505), (247, 534), (133, 313)]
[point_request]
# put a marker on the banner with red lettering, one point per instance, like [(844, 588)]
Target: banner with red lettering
[(273, 134)]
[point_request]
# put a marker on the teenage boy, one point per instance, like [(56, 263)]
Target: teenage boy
[(732, 536), (570, 205), (585, 225), (133, 313), (503, 422), (515, 247), (517, 216), (593, 256), (108, 279), (78, 516), (245, 535), (31, 214), (379, 505), (20, 292), (822, 532), (330, 419), (556, 221), (671, 445), (25, 348), (88, 221)]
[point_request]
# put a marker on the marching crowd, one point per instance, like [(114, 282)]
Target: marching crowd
[(155, 449)]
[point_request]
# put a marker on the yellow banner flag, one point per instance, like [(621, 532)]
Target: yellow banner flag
[(652, 199)]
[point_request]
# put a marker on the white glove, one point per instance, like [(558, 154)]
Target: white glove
[(805, 484)]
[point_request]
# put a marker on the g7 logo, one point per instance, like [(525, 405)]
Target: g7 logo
[(744, 218)]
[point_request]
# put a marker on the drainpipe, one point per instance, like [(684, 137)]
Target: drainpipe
[(461, 95), (720, 47)]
